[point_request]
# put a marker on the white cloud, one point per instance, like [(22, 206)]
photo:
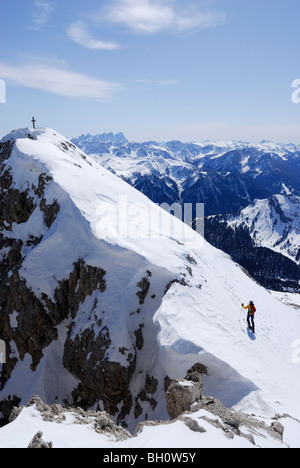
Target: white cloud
[(154, 16), (79, 34), (193, 19), (144, 16), (59, 81), (42, 12)]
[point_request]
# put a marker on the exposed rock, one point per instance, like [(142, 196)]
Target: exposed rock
[(6, 149), (38, 442), (181, 395), (8, 407), (37, 319), (193, 425), (278, 428), (235, 423), (182, 282), (145, 394), (72, 291), (198, 368), (139, 337), (144, 286), (99, 420), (232, 423), (184, 397)]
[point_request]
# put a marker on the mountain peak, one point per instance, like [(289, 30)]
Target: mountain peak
[(113, 138)]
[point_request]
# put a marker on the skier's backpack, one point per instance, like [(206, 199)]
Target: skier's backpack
[(252, 309)]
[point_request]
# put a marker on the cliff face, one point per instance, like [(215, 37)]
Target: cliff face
[(35, 327)]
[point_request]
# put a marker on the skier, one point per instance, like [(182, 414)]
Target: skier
[(250, 317)]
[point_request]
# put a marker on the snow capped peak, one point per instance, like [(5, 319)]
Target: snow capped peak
[(89, 140), (42, 132), (273, 223)]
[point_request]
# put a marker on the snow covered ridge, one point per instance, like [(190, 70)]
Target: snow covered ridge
[(209, 425), (102, 321)]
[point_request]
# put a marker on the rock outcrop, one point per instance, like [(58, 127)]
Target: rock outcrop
[(37, 442), (99, 420), (228, 421), (183, 393), (185, 397)]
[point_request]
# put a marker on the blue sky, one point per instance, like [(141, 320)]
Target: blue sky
[(153, 69)]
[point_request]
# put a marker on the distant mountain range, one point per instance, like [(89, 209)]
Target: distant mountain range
[(228, 177)]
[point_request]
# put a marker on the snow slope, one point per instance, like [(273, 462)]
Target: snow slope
[(199, 319)]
